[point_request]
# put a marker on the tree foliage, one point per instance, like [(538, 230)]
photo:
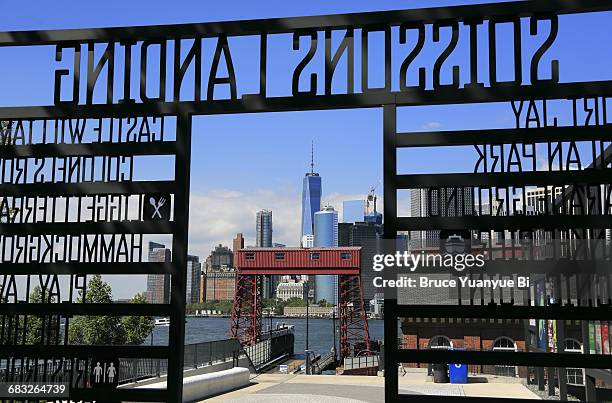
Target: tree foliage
[(224, 307), (41, 329), (33, 329), (323, 303), (101, 330), (137, 328)]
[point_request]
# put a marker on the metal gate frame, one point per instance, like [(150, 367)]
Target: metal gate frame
[(385, 97)]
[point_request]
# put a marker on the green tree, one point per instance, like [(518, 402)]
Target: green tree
[(33, 329), (295, 302), (323, 303), (222, 306), (98, 330), (137, 328), (39, 326)]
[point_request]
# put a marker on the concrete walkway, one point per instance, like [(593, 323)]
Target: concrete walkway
[(353, 389)]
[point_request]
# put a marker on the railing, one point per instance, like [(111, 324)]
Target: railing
[(319, 365), (269, 349), (367, 361), (196, 355)]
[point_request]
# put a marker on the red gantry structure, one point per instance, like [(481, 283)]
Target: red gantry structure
[(345, 262)]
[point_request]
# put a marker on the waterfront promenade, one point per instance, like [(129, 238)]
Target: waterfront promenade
[(272, 388)]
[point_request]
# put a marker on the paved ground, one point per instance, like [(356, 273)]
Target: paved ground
[(280, 388)]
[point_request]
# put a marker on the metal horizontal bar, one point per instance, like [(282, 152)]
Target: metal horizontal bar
[(500, 223), (527, 267), (121, 394), (559, 360), (89, 268), (71, 309), (321, 271), (69, 351), (499, 179), (256, 103), (123, 227), (281, 25), (92, 149), (87, 188), (403, 397), (506, 312), (503, 136)]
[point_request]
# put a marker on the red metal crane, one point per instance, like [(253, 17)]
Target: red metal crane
[(251, 264)]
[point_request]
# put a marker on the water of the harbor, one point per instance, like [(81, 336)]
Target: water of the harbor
[(320, 331)]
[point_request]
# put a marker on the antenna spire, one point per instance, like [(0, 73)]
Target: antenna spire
[(312, 157)]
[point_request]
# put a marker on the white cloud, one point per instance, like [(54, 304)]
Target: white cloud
[(432, 125), (216, 216)]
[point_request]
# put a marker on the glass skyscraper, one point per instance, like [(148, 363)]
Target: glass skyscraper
[(311, 200), (263, 228), (326, 235), (194, 273), (263, 239), (443, 202), (158, 285)]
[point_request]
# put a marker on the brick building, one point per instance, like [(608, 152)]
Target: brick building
[(218, 285), (477, 334)]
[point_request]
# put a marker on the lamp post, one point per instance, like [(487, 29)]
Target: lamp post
[(307, 303), (334, 329), (270, 316)]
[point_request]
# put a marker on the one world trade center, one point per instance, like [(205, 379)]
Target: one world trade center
[(311, 203)]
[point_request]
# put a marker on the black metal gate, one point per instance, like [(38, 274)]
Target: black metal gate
[(69, 105)]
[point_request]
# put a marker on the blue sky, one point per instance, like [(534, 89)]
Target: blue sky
[(242, 163)]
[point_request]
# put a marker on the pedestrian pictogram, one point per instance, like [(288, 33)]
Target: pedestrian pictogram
[(104, 373)]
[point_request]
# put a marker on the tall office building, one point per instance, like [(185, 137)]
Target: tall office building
[(326, 227), (194, 272), (434, 202), (221, 258), (541, 200), (326, 235), (353, 211), (237, 244), (367, 235), (263, 229), (158, 285), (311, 199), (218, 278), (263, 239)]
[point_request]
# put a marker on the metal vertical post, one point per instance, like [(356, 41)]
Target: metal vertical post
[(590, 388), (334, 329), (182, 166), (561, 374), (307, 304), (589, 382), (390, 232)]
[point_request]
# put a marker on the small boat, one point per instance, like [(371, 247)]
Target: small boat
[(162, 322)]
